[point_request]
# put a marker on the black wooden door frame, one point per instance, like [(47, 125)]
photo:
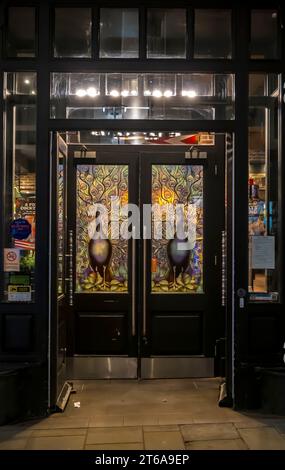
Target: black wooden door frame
[(136, 150)]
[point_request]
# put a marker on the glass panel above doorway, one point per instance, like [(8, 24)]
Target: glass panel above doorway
[(177, 199), (264, 34), (97, 137), (196, 96), (213, 34), (101, 261), (72, 32), (166, 33), (21, 32), (119, 33)]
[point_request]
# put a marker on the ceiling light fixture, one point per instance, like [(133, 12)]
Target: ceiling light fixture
[(157, 93), (80, 92), (168, 93), (92, 92), (114, 93), (191, 94), (125, 93)]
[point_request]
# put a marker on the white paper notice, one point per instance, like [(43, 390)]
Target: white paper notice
[(11, 260), (263, 252)]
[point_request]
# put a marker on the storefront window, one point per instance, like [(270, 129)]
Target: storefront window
[(213, 35), (142, 96), (19, 188), (119, 33), (166, 33), (72, 32), (263, 187), (264, 34), (21, 32)]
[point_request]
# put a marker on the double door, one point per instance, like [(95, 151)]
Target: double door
[(139, 249)]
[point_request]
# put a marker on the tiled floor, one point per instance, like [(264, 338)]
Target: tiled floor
[(151, 415)]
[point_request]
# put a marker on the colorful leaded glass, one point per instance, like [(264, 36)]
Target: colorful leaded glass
[(177, 263), (101, 264)]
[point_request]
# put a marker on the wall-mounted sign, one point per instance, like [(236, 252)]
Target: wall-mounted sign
[(20, 279), (11, 259), (263, 252), (19, 293), (20, 229)]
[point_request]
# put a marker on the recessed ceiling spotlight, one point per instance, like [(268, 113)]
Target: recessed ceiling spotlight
[(27, 81), (191, 94), (168, 93), (92, 92), (80, 92), (134, 93), (33, 92), (125, 93), (147, 93), (157, 93), (114, 93)]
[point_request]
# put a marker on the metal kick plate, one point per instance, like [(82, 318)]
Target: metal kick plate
[(90, 367), (177, 367)]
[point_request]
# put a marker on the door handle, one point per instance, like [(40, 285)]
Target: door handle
[(133, 284), (224, 269), (69, 279), (144, 284)]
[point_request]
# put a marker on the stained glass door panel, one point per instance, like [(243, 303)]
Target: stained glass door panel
[(177, 229), (101, 251)]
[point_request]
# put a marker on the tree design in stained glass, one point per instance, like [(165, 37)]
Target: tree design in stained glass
[(102, 264), (177, 264)]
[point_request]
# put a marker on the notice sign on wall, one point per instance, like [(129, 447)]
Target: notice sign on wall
[(19, 293), (11, 260), (263, 252)]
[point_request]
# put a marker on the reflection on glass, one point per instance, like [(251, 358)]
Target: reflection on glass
[(263, 185), (213, 39), (25, 83), (21, 32), (264, 34), (142, 96), (137, 138), (72, 32), (119, 33), (177, 263), (125, 85), (263, 84), (101, 263), (166, 33), (20, 186)]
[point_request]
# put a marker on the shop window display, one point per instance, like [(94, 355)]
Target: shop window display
[(19, 222)]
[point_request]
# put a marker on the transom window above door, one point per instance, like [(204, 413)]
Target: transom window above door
[(101, 32), (141, 33), (179, 96)]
